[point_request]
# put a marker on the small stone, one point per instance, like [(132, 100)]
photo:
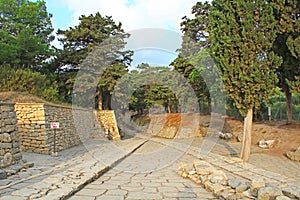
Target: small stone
[(255, 185), (268, 193), (266, 144), (248, 194), (28, 165), (202, 167), (240, 136), (242, 187), (234, 183), (294, 155), (216, 188), (3, 174), (228, 136)]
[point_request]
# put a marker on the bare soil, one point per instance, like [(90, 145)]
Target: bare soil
[(287, 137)]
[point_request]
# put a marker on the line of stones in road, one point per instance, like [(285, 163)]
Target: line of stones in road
[(217, 182), (290, 187)]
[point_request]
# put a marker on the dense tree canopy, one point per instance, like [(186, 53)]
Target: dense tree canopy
[(287, 45), (25, 33), (81, 44)]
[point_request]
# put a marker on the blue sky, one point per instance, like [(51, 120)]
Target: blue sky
[(133, 14)]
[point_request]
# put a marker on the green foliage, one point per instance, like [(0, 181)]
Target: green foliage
[(26, 80), (25, 33), (241, 35), (95, 46), (91, 32), (153, 86), (295, 85)]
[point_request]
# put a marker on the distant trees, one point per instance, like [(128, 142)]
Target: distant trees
[(144, 94)]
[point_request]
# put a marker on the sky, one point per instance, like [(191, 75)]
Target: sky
[(133, 14)]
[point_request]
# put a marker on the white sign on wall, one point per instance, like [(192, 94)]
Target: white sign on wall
[(54, 125)]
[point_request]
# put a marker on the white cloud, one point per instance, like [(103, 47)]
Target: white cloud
[(135, 14)]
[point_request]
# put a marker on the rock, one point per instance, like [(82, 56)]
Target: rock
[(218, 176), (240, 136), (28, 165), (266, 144), (3, 174), (294, 155), (228, 195), (228, 136), (248, 194), (203, 168), (234, 183), (242, 187), (6, 138), (255, 185), (216, 188), (268, 193)]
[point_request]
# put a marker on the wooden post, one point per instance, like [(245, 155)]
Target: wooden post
[(246, 146)]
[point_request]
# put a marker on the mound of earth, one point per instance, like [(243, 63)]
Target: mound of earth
[(20, 97)]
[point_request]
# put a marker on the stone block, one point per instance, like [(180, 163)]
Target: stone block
[(268, 193)]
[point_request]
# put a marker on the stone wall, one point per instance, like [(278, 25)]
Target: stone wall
[(9, 138), (66, 136), (35, 132), (32, 128), (75, 125), (108, 121)]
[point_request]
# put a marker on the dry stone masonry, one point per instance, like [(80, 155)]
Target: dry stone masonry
[(75, 125), (35, 132), (9, 138), (108, 121)]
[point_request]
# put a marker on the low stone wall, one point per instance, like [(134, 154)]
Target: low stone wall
[(9, 138), (32, 128), (35, 132), (66, 135), (75, 125), (108, 121)]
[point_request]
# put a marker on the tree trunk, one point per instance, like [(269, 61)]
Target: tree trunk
[(100, 99), (288, 100), (246, 146)]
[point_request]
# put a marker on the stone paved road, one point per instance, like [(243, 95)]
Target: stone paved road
[(149, 173)]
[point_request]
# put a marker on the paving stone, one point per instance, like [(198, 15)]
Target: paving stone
[(11, 198), (180, 194), (116, 192), (167, 189), (81, 198), (110, 198), (143, 195), (150, 190), (91, 192)]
